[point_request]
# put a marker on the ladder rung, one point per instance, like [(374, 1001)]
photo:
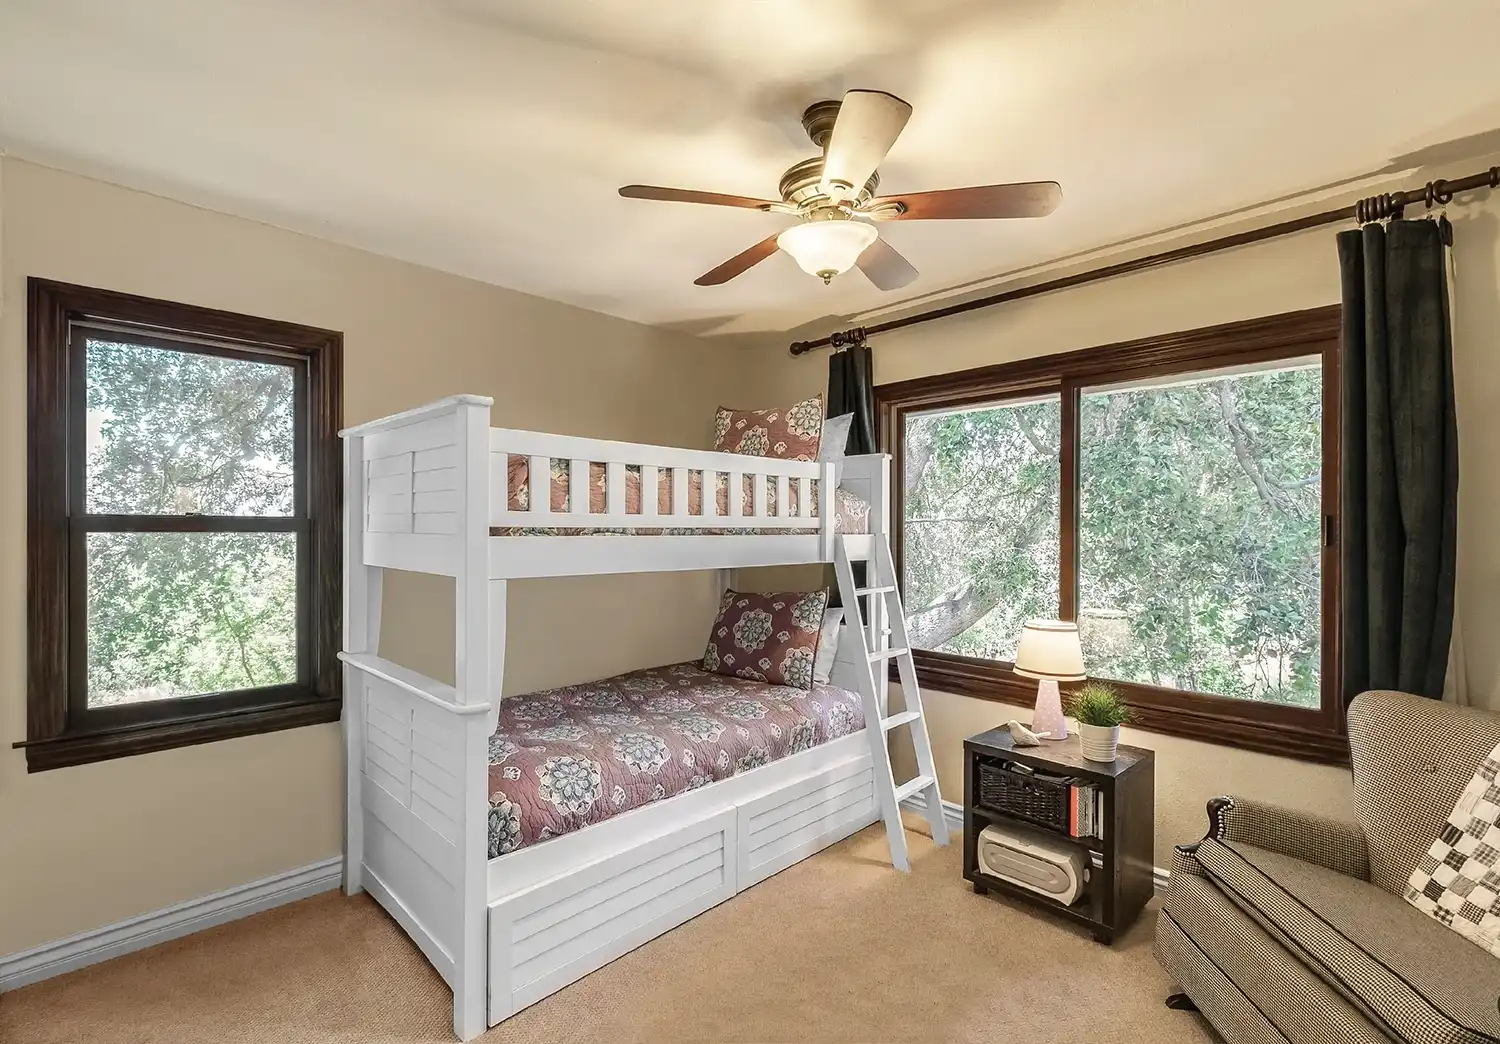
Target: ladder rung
[(874, 590), (887, 654), (913, 786), (897, 720)]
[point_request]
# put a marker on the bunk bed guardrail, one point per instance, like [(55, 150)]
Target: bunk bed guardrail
[(780, 491)]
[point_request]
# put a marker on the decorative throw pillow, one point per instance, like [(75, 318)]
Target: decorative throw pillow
[(828, 645), (1458, 880), (834, 445), (767, 637), (790, 434)]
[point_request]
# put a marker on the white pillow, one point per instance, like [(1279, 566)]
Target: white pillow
[(834, 442), (828, 645)]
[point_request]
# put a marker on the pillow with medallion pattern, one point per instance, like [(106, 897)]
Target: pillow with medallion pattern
[(769, 638), (788, 434)]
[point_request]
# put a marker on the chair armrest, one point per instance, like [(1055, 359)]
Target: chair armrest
[(1301, 835)]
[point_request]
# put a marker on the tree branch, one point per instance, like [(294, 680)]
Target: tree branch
[(917, 453), (1031, 436), (967, 602), (1240, 443)]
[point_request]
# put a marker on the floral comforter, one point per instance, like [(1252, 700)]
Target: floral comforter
[(565, 758)]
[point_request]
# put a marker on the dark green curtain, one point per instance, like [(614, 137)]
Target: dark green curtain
[(851, 389), (1399, 478)]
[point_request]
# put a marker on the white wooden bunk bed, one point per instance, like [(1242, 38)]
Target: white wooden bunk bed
[(426, 491)]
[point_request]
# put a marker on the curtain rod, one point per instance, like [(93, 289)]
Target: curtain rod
[(1375, 208)]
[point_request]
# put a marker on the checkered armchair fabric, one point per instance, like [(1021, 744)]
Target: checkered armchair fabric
[(1316, 839), (1411, 757)]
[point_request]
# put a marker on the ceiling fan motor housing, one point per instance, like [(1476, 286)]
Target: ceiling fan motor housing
[(801, 186)]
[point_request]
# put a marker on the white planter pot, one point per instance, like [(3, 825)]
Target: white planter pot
[(1098, 741)]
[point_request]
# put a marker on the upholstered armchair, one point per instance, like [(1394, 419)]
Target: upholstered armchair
[(1284, 927)]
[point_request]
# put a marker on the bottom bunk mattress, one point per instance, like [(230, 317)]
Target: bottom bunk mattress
[(568, 757)]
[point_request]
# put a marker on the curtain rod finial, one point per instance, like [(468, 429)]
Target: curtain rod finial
[(847, 338)]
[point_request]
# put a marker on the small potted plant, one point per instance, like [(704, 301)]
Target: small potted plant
[(1100, 713)]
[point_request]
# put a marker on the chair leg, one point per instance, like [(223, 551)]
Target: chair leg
[(1181, 1002)]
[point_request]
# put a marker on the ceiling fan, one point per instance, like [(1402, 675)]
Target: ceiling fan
[(834, 196)]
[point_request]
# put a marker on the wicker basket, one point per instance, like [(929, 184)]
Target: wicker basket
[(1038, 797)]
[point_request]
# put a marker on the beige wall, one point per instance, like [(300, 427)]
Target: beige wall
[(86, 846), (1280, 275)]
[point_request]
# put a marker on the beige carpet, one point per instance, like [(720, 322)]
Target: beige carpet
[(837, 948)]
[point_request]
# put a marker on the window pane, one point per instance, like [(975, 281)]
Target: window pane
[(1199, 545), (176, 433), (181, 614), (980, 543)]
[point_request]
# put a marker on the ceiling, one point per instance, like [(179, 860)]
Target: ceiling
[(487, 137)]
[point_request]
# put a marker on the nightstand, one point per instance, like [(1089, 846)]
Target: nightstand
[(1121, 881)]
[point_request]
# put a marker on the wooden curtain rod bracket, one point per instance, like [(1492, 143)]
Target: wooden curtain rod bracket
[(847, 338), (1375, 208)]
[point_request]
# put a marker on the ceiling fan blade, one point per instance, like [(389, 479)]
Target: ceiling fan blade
[(717, 199), (885, 267), (1021, 200), (867, 126), (744, 260)]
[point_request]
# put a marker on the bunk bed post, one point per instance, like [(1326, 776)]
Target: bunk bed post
[(880, 509), (362, 591), (475, 683), (827, 513)]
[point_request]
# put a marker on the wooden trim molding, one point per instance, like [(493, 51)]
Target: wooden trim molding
[(1190, 719), (61, 729), (1313, 735), (1244, 342)]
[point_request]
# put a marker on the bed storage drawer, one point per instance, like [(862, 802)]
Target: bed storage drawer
[(555, 933), (794, 821)]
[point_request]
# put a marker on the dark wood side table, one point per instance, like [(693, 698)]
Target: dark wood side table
[(1124, 884)]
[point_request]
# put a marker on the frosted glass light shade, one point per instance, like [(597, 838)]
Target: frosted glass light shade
[(1049, 650), (827, 248)]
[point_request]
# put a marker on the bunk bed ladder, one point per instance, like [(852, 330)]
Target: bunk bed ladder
[(882, 644)]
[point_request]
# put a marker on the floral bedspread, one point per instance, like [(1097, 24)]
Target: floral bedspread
[(565, 758)]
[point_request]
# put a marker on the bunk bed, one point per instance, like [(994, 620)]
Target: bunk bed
[(438, 490)]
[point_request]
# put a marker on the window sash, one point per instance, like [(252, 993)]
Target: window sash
[(1312, 734), (81, 523)]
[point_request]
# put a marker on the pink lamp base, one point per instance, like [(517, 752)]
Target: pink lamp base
[(1048, 716)]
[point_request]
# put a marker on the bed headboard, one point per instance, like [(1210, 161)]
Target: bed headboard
[(417, 487)]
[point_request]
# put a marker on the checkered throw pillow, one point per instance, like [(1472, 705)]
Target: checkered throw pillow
[(1458, 880)]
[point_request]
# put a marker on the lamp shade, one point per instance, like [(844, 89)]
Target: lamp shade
[(827, 248), (1049, 649)]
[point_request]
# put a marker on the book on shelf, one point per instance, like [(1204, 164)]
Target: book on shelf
[(1085, 810)]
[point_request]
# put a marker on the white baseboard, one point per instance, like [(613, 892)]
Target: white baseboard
[(173, 922), (954, 814)]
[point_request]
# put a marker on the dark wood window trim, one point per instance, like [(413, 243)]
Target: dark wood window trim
[(1313, 735), (60, 729)]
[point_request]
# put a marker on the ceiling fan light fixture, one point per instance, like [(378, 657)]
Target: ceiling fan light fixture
[(827, 248)]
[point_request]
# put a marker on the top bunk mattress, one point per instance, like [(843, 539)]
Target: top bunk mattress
[(852, 513), (566, 758)]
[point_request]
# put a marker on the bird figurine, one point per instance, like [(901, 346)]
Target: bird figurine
[(1021, 736)]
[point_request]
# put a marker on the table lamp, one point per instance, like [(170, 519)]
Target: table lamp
[(1049, 652)]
